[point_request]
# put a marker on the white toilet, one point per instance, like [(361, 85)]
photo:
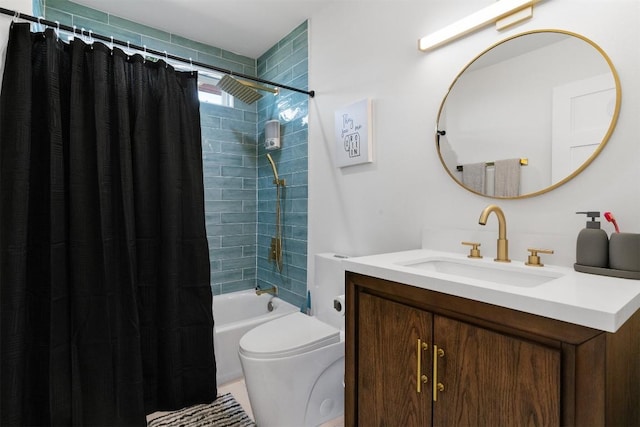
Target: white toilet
[(294, 365)]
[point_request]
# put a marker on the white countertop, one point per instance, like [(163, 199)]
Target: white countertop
[(595, 301)]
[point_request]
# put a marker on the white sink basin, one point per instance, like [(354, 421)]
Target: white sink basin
[(502, 273)]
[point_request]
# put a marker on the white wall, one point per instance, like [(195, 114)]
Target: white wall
[(369, 49)]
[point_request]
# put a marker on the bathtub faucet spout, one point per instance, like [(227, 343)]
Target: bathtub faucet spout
[(272, 290)]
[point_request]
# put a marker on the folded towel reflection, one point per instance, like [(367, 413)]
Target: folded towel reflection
[(507, 178), (473, 176)]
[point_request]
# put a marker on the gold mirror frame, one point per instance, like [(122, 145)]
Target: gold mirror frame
[(586, 163)]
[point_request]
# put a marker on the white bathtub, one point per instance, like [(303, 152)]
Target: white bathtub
[(234, 314)]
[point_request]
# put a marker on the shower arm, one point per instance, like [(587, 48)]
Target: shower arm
[(256, 86)]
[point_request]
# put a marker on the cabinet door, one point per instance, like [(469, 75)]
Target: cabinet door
[(492, 379), (387, 363)]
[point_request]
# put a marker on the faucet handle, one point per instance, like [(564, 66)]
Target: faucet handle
[(534, 260), (474, 252)]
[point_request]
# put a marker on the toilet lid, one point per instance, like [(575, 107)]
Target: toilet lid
[(288, 335)]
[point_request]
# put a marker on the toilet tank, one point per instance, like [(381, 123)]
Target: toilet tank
[(328, 283)]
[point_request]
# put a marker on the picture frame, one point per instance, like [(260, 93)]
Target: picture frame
[(354, 142)]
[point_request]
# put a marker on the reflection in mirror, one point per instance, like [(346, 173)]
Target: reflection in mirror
[(528, 114)]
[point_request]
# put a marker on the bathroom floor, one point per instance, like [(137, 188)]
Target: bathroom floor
[(239, 392)]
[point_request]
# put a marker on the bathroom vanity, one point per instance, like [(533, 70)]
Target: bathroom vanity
[(428, 343)]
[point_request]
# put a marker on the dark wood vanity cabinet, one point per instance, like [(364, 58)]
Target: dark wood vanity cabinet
[(415, 357)]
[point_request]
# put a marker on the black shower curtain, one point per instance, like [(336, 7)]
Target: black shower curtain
[(105, 301)]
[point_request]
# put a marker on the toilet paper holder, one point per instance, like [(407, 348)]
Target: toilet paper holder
[(339, 304)]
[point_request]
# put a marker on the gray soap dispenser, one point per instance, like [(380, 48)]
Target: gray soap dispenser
[(592, 248)]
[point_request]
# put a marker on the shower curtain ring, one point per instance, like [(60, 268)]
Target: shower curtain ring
[(91, 38), (191, 65), (16, 15), (144, 59), (57, 30), (128, 49), (166, 60), (40, 25)]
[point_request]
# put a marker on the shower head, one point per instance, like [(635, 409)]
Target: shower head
[(244, 91), (238, 90)]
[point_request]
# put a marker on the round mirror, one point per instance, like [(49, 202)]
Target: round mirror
[(528, 114)]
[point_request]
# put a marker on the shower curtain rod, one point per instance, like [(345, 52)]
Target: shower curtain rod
[(82, 32)]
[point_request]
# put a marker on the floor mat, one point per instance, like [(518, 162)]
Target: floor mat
[(225, 411)]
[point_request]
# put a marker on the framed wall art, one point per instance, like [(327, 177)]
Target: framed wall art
[(353, 134)]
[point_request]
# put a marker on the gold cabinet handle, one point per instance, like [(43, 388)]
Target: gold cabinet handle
[(437, 352), (420, 379)]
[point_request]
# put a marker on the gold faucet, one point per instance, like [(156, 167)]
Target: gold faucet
[(272, 290), (503, 243)]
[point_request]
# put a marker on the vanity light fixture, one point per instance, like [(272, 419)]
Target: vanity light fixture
[(503, 12)]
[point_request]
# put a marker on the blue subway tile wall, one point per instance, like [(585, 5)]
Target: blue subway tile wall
[(229, 159), (285, 63)]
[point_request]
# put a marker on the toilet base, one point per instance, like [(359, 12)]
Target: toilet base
[(303, 390), (327, 396)]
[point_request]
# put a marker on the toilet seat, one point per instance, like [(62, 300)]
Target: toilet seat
[(289, 335)]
